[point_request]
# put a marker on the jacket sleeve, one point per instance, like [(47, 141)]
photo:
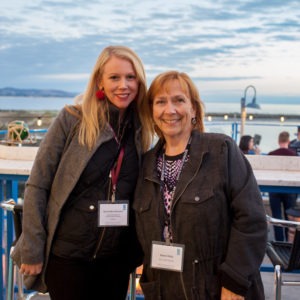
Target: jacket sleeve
[(248, 234), (32, 241)]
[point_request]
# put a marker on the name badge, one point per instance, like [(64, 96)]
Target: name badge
[(113, 214), (167, 257)]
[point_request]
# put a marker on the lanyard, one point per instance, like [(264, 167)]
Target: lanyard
[(114, 174), (115, 170), (162, 177)]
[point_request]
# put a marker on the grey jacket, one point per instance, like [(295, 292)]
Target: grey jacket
[(217, 213), (58, 165)]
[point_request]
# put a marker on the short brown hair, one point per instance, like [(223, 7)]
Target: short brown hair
[(284, 137), (161, 82)]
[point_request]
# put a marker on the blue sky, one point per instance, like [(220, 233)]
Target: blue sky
[(224, 45)]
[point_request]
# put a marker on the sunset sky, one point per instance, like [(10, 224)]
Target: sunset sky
[(224, 45)]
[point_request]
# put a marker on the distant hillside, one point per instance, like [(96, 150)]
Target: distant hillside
[(8, 91)]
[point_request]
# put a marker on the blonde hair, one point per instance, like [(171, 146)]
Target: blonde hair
[(162, 82), (93, 111)]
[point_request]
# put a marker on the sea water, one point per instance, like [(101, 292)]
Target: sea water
[(34, 103), (268, 129), (57, 103)]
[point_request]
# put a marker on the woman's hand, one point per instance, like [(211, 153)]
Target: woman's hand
[(256, 150), (228, 295), (31, 269)]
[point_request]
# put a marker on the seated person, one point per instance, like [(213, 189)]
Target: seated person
[(295, 144), (278, 199), (247, 145)]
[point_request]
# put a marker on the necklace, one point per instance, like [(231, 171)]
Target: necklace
[(172, 194)]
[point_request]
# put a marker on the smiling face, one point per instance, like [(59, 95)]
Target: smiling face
[(119, 82), (173, 111)]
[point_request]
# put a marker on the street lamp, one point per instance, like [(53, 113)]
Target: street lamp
[(253, 104)]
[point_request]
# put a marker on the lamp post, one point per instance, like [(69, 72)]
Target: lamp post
[(253, 104)]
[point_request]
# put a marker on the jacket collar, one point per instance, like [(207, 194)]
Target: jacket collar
[(81, 154), (198, 149)]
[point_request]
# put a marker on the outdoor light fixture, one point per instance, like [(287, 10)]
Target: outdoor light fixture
[(209, 118), (225, 117), (39, 121), (253, 104), (250, 117), (282, 119)]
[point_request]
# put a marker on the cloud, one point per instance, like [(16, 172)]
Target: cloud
[(285, 38), (216, 12), (57, 42), (287, 24), (250, 30), (235, 78), (268, 5)]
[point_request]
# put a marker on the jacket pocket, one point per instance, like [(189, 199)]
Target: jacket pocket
[(198, 196), (83, 213), (142, 205), (150, 290)]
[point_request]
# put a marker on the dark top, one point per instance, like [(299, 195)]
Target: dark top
[(295, 145), (283, 151)]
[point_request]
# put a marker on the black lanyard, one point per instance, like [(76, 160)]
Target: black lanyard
[(162, 177)]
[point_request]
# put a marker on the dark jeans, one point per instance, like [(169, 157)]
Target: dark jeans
[(276, 202), (76, 280)]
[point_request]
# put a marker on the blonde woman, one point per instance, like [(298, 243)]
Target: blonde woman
[(199, 214), (78, 239)]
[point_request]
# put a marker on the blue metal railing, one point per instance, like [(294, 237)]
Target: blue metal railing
[(30, 131)]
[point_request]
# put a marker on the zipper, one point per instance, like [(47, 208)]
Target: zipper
[(103, 231), (195, 273), (176, 200), (99, 243)]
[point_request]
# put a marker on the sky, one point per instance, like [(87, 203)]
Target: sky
[(223, 45)]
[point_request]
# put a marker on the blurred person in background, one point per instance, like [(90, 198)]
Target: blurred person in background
[(281, 202), (247, 145), (295, 144)]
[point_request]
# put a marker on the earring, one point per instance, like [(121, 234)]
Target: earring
[(100, 95), (194, 121)]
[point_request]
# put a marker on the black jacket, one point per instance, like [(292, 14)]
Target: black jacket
[(77, 235), (217, 213)]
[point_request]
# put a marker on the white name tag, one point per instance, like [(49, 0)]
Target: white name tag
[(167, 257), (113, 214)]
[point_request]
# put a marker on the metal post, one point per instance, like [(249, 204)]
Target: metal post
[(132, 286), (243, 119), (11, 193), (10, 282), (243, 106), (20, 284), (277, 289), (234, 131), (1, 237)]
